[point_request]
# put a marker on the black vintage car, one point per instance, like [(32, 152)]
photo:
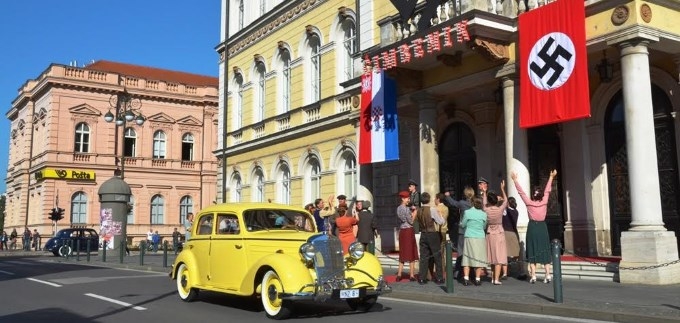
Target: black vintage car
[(66, 241)]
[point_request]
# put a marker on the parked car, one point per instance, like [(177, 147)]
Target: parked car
[(65, 241), (273, 252)]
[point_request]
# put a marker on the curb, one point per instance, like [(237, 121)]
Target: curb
[(560, 310)]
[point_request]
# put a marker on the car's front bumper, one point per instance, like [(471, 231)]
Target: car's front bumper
[(322, 294)]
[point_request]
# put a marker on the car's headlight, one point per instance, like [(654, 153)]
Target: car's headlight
[(356, 250), (307, 251)]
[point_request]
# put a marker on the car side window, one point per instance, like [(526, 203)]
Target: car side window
[(228, 224), (205, 224), (86, 234)]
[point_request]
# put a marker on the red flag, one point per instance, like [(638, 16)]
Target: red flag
[(553, 64)]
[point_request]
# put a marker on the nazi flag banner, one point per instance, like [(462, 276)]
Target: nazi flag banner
[(553, 64)]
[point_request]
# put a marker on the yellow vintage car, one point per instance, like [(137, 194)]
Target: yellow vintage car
[(273, 251)]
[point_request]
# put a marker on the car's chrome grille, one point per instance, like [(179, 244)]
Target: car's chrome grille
[(328, 260)]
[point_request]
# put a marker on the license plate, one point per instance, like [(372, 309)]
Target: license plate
[(349, 293)]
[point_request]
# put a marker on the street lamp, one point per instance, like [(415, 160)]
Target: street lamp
[(126, 110)]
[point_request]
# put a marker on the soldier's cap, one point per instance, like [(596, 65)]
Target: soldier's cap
[(412, 182), (342, 197), (482, 180)]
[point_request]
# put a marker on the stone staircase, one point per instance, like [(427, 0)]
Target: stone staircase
[(595, 269)]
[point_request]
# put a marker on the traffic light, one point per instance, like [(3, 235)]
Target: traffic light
[(56, 214)]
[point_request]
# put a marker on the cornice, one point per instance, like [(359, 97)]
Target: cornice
[(273, 22)]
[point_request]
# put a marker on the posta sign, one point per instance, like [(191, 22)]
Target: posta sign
[(54, 173), (418, 47)]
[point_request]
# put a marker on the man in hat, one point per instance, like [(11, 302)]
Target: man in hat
[(342, 199), (413, 194), (482, 185)]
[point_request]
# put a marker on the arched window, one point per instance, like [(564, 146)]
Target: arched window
[(159, 145), (283, 184), (349, 174), (186, 206), (313, 178), (314, 47), (238, 101), (157, 209), (241, 14), (130, 143), (188, 147), (79, 208), (258, 185), (260, 70), (349, 47), (131, 210), (285, 80), (82, 143), (236, 187)]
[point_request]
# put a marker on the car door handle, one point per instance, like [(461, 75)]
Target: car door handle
[(238, 246)]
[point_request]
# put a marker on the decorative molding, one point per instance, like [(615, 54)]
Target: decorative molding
[(282, 19), (189, 121), (646, 13), (620, 14), (161, 117), (85, 109), (490, 50)]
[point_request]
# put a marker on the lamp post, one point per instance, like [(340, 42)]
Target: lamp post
[(126, 110)]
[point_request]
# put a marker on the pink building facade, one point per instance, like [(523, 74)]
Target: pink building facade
[(61, 148)]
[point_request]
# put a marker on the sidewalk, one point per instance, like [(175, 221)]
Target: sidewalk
[(608, 301)]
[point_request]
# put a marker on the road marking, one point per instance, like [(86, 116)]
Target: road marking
[(6, 272), (85, 280), (489, 310), (115, 301), (44, 282), (15, 262)]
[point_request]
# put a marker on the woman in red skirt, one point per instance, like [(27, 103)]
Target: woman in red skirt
[(408, 250)]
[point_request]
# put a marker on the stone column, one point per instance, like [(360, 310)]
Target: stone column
[(427, 128), (516, 157), (647, 243), (579, 228)]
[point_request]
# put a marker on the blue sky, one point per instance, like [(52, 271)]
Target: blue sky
[(172, 34)]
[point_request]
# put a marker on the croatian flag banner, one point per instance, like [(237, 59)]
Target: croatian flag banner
[(379, 133)]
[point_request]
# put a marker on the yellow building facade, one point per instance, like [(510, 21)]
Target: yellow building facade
[(618, 186)]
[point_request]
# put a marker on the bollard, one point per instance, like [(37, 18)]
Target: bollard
[(142, 251), (78, 250), (88, 248), (449, 267), (104, 251), (557, 270), (165, 254), (122, 251), (371, 247)]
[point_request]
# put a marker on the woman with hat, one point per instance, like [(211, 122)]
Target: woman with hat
[(408, 250)]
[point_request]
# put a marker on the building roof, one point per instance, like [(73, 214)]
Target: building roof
[(153, 73)]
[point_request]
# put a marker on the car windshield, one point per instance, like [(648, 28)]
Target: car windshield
[(275, 219)]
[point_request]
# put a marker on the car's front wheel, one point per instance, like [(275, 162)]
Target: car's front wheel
[(65, 250), (272, 287), (186, 292), (362, 304)]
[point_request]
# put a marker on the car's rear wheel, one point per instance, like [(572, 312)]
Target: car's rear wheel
[(186, 292), (56, 253), (362, 304), (65, 250), (272, 288)]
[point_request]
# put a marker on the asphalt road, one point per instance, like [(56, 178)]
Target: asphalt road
[(33, 290)]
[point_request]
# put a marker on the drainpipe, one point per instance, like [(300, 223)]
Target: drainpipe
[(226, 103)]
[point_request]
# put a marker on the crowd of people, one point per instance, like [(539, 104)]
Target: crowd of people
[(483, 232), (29, 240)]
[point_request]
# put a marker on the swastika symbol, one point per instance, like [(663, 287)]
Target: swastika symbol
[(551, 61)]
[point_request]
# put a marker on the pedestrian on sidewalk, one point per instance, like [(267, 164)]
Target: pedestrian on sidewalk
[(367, 228), (538, 241), (175, 240), (36, 240), (187, 226), (474, 254), (408, 251), (497, 254), (428, 218), (462, 206), (26, 241), (3, 241), (13, 239), (511, 235), (155, 240)]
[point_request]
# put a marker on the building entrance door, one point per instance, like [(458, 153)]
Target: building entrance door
[(617, 165)]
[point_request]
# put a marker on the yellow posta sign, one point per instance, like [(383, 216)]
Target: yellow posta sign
[(79, 174)]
